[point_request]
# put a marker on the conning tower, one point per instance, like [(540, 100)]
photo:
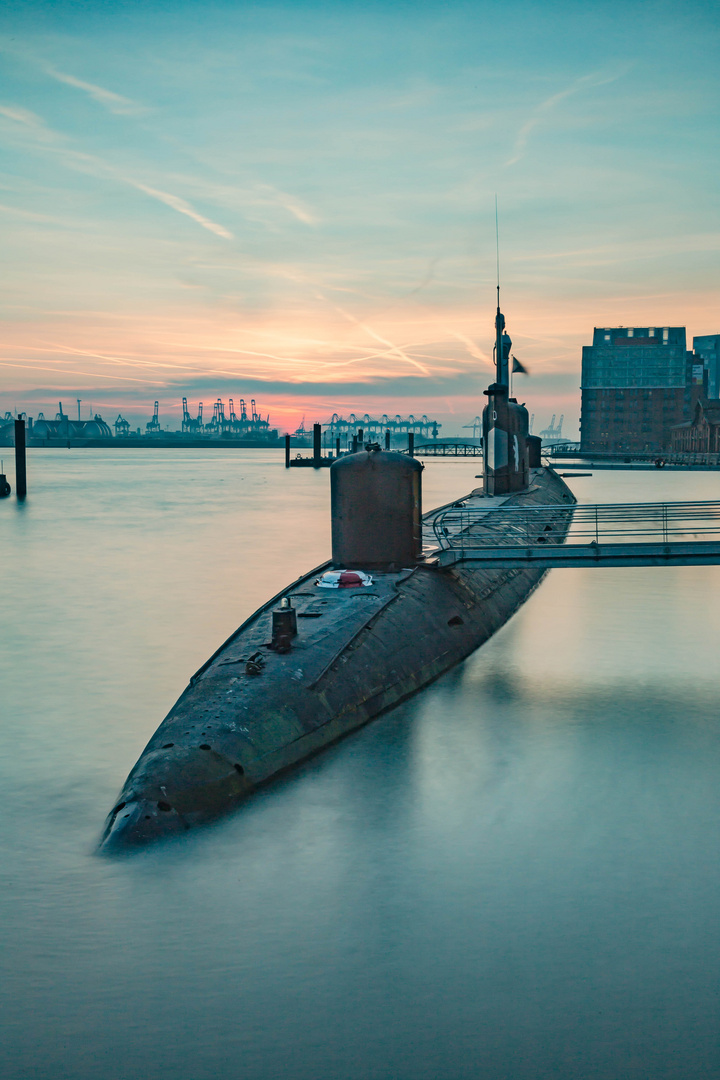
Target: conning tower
[(505, 424), (376, 507)]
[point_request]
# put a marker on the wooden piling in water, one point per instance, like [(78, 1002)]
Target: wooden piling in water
[(20, 466)]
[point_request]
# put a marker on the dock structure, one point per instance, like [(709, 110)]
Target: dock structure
[(317, 461), (20, 463), (451, 449), (606, 534), (677, 459), (391, 431)]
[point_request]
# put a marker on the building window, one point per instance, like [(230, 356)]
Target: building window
[(631, 332), (666, 334)]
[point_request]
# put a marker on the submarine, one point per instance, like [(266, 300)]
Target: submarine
[(351, 638)]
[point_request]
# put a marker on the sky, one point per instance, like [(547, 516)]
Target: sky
[(296, 203)]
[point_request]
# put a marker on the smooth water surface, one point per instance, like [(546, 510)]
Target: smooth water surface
[(512, 875)]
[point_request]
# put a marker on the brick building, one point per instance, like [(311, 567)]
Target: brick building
[(701, 435), (637, 384)]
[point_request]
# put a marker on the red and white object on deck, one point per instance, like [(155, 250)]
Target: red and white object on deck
[(344, 579)]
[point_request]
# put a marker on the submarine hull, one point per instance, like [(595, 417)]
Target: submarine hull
[(250, 712)]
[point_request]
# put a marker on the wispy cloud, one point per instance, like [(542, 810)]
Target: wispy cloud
[(545, 107), (394, 350), (182, 207), (638, 249), (56, 143), (116, 103), (28, 120), (471, 347), (31, 364), (30, 215), (289, 203)]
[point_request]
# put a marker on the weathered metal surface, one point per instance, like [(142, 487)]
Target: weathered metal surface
[(376, 509), (357, 653), (505, 433)]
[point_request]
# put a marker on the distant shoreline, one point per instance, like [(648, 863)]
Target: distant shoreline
[(147, 444)]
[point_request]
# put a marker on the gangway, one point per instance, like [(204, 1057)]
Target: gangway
[(440, 449), (603, 534)]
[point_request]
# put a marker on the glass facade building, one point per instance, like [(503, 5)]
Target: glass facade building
[(708, 348)]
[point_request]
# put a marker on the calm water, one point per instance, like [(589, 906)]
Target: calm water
[(513, 875)]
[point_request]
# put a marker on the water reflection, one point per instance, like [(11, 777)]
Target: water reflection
[(512, 874)]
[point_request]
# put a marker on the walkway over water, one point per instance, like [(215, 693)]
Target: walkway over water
[(440, 449), (604, 534)]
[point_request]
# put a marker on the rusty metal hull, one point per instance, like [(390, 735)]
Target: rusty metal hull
[(358, 653)]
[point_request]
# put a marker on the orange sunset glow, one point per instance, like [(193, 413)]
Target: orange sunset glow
[(280, 213)]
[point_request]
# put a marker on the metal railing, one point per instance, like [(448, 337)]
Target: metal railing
[(447, 450), (659, 458), (595, 523)]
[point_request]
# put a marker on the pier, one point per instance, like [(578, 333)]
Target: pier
[(670, 459), (317, 461), (450, 449), (604, 534)]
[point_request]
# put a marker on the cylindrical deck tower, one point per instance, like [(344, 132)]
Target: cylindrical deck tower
[(376, 506)]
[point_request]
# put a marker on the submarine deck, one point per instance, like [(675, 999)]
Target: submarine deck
[(251, 711), (339, 615)]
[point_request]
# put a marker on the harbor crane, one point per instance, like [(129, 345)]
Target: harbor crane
[(188, 424), (218, 421), (373, 429), (153, 426), (553, 434)]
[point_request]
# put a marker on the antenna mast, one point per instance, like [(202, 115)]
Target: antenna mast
[(501, 374), (497, 251)]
